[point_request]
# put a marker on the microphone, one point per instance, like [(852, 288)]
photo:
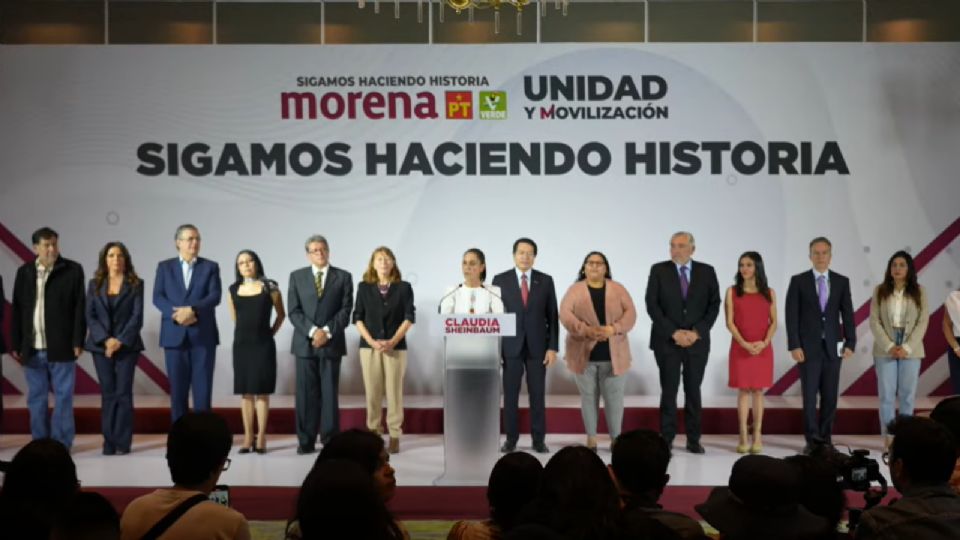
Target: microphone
[(444, 297)]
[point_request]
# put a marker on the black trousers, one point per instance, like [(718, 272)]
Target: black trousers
[(819, 374), (676, 364), (317, 401), (513, 370)]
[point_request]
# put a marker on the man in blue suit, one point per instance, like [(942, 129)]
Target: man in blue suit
[(529, 294), (819, 315), (187, 292)]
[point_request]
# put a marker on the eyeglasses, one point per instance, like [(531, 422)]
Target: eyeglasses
[(316, 251), (595, 263), (226, 465)]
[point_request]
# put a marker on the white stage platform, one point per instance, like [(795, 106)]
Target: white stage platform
[(418, 464)]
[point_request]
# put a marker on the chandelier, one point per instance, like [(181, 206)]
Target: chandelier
[(458, 6)]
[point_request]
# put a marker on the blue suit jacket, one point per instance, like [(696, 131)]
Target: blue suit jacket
[(124, 323), (203, 295)]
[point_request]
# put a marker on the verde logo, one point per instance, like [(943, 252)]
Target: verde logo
[(493, 105)]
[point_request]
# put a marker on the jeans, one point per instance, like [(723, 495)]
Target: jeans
[(597, 380), (42, 377), (896, 378)]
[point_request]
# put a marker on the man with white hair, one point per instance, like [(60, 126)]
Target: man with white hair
[(683, 301)]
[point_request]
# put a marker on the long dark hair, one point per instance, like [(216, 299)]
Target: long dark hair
[(760, 275), (357, 445), (577, 496), (256, 261), (483, 261), (100, 277), (912, 289), (583, 274), (338, 499)]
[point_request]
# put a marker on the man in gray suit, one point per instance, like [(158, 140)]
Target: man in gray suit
[(320, 301)]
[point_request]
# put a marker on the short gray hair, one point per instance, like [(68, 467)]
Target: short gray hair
[(687, 234), (185, 227), (313, 239)]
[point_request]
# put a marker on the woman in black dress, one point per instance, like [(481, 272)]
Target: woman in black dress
[(252, 298)]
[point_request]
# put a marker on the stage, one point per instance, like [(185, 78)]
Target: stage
[(264, 487)]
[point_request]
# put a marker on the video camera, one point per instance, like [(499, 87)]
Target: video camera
[(858, 472)]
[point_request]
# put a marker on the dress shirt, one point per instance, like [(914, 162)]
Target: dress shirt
[(816, 276), (323, 284), (39, 308), (689, 265), (896, 308), (520, 274), (187, 269)]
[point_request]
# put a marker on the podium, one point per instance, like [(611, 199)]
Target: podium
[(471, 395)]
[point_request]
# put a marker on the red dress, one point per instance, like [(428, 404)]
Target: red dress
[(751, 315)]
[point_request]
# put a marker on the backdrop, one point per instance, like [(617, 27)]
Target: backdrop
[(432, 150)]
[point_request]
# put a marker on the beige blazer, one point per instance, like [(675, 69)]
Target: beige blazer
[(577, 314), (915, 321)]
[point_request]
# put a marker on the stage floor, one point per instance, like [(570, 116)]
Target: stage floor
[(418, 464)]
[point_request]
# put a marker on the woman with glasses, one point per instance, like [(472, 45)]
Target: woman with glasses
[(384, 312), (898, 321), (597, 313)]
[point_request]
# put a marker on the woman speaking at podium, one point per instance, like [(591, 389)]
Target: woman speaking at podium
[(472, 296)]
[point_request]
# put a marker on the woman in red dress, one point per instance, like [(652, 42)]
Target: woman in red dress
[(751, 309)]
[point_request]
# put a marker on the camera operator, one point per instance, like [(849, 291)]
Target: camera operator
[(921, 461)]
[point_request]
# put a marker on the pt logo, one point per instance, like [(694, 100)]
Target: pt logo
[(493, 105), (459, 105)]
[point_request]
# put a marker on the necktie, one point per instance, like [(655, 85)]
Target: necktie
[(684, 282), (524, 290), (319, 284), (822, 291)]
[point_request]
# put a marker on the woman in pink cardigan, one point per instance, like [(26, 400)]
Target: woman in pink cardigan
[(597, 313)]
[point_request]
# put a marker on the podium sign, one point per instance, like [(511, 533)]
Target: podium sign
[(471, 395)]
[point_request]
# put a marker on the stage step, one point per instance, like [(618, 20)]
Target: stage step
[(424, 415)]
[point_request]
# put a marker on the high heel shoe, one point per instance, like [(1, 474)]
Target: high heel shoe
[(756, 448), (245, 450), (592, 443), (261, 445), (743, 448)]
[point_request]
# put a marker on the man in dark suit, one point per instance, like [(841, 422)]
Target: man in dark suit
[(187, 292), (818, 302), (320, 298), (530, 295), (47, 332), (683, 300)]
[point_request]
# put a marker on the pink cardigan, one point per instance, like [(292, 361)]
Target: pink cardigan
[(576, 314)]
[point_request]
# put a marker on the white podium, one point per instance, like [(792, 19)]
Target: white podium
[(471, 395)]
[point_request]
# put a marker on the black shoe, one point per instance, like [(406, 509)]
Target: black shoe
[(508, 447), (245, 450), (540, 448), (695, 448), (109, 451), (301, 450), (123, 451)]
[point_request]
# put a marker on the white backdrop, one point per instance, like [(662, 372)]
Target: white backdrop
[(73, 118)]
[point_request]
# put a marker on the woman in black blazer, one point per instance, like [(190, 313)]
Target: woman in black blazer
[(383, 313), (114, 318)]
